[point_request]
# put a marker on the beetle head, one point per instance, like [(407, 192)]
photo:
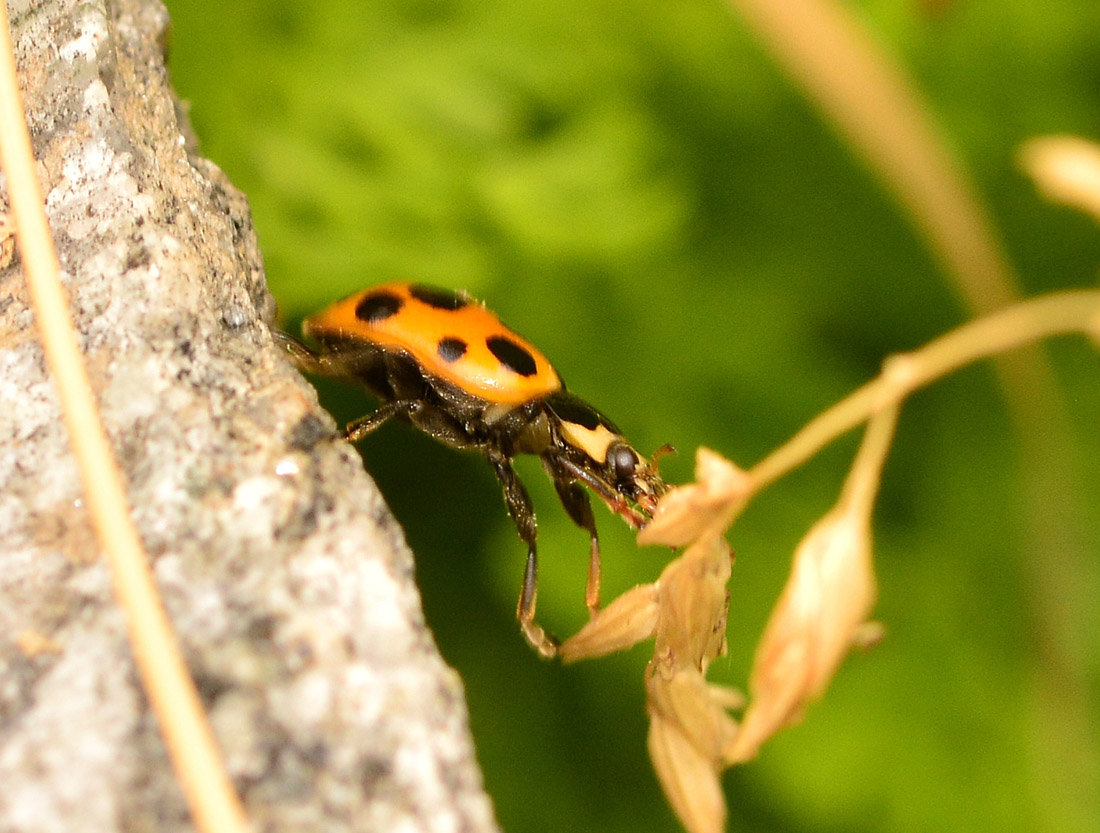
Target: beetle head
[(596, 453)]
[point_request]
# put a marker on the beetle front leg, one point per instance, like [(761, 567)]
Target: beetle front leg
[(615, 502), (519, 507), (576, 503)]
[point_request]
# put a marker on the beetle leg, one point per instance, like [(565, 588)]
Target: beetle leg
[(519, 507), (302, 357), (359, 428), (615, 502), (308, 360), (439, 424), (576, 503)]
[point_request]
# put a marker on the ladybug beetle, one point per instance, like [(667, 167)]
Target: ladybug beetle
[(444, 363)]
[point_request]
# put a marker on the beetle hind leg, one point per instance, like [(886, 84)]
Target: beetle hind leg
[(523, 515)]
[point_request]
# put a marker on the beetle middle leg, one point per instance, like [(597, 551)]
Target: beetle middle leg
[(519, 507), (575, 500), (359, 428), (429, 418)]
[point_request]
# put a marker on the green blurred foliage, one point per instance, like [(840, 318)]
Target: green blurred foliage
[(638, 190)]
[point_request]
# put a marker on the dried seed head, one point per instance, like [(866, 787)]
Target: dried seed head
[(1065, 169), (819, 616), (701, 509), (689, 780)]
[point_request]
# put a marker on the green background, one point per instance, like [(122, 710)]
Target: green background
[(638, 190)]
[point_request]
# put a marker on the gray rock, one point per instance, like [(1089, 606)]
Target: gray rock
[(286, 577)]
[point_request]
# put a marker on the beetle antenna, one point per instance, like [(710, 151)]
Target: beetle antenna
[(667, 448)]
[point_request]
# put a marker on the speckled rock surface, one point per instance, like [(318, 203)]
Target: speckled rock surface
[(296, 607)]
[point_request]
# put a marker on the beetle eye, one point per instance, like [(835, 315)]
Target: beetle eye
[(624, 462)]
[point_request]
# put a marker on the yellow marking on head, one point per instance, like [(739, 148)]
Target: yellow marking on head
[(592, 441)]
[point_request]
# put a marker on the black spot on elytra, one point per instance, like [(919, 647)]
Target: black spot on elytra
[(511, 355), (451, 349), (438, 298), (378, 307)]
